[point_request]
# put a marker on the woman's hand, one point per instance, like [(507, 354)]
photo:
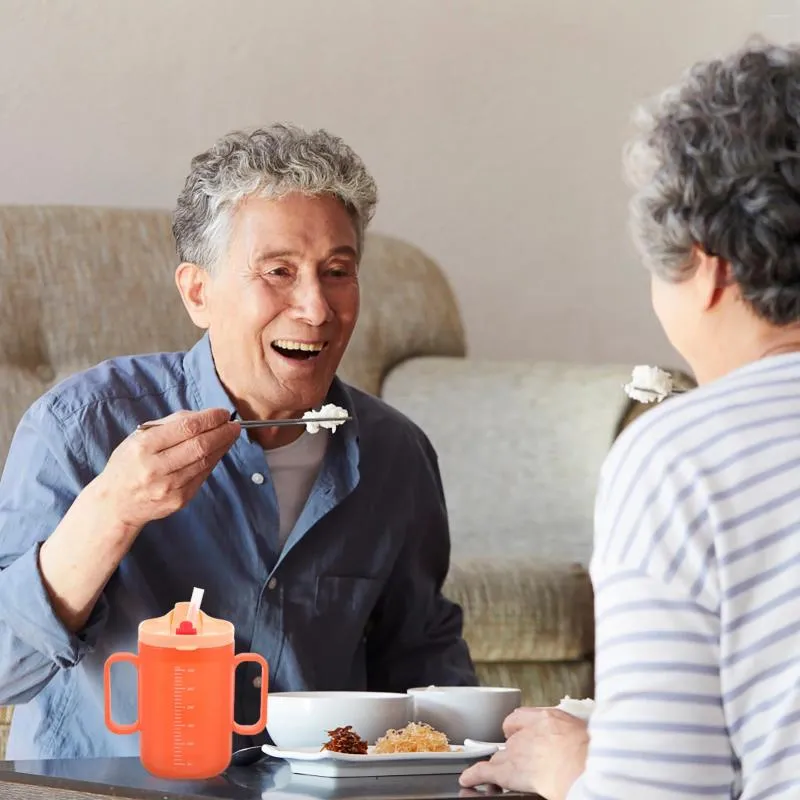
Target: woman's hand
[(545, 753)]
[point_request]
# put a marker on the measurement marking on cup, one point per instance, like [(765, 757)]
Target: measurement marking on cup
[(181, 716)]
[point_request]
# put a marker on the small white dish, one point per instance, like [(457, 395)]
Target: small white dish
[(302, 719), (462, 712), (327, 764)]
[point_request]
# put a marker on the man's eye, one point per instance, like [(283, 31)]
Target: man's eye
[(279, 271), (340, 272)]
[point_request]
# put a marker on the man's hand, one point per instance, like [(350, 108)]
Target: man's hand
[(150, 475), (155, 472), (545, 753)]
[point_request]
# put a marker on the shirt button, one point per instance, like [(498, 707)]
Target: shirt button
[(257, 478), (257, 681), (273, 582)]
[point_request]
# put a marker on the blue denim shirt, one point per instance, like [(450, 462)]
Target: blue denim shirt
[(351, 602)]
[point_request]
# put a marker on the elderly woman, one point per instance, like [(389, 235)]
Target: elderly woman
[(696, 564)]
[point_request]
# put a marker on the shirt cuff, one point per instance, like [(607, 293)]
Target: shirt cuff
[(29, 614)]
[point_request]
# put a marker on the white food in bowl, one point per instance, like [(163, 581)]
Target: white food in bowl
[(303, 719), (578, 708)]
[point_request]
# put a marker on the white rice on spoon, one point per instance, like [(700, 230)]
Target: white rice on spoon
[(649, 384), (337, 414)]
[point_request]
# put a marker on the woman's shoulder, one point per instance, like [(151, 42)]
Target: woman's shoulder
[(684, 466), (711, 418)]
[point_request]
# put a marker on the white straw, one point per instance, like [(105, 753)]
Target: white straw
[(194, 604)]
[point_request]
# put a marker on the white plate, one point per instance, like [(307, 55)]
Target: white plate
[(327, 764)]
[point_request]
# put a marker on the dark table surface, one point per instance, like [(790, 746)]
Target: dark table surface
[(268, 779)]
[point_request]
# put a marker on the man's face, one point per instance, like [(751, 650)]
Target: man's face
[(282, 305)]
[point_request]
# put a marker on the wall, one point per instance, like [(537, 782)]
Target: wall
[(494, 128)]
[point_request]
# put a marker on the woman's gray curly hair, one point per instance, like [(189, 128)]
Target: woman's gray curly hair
[(716, 165), (267, 162)]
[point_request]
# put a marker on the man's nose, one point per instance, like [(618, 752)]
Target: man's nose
[(311, 304)]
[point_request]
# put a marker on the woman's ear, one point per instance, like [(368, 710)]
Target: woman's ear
[(193, 284), (712, 278)]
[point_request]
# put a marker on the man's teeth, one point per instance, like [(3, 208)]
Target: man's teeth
[(286, 344)]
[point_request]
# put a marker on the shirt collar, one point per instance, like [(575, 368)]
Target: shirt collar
[(198, 364)]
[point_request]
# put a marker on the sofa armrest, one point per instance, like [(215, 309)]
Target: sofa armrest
[(407, 309)]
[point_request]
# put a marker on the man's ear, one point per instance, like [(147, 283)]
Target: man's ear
[(712, 279), (193, 284)]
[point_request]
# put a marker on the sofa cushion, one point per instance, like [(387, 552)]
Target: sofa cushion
[(520, 446), (542, 683), (83, 284), (523, 609)]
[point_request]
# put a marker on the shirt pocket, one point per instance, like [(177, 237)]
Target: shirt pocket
[(349, 595), (343, 605)]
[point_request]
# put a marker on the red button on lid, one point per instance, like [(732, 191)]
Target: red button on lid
[(186, 627)]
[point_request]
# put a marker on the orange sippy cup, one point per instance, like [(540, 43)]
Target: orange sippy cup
[(186, 667)]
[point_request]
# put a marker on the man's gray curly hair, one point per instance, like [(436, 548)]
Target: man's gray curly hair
[(267, 162), (716, 165)]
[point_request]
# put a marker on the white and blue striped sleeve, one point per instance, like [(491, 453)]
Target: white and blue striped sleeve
[(658, 730)]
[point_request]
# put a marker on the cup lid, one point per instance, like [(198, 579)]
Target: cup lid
[(174, 629)]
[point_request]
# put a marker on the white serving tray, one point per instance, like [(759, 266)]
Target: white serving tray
[(327, 764)]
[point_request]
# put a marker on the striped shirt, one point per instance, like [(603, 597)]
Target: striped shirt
[(696, 572)]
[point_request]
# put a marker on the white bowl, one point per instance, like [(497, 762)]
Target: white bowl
[(466, 712), (303, 719)]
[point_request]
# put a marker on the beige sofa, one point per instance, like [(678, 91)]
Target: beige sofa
[(520, 444)]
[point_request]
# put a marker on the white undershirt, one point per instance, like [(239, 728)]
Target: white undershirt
[(294, 468)]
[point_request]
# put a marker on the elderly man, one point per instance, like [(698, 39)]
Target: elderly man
[(327, 551)]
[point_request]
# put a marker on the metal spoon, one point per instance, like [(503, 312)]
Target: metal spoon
[(247, 756), (652, 395), (262, 423)]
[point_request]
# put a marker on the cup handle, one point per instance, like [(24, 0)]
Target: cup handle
[(258, 727), (110, 724)]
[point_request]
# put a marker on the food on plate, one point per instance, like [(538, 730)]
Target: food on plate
[(416, 737), (345, 740)]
